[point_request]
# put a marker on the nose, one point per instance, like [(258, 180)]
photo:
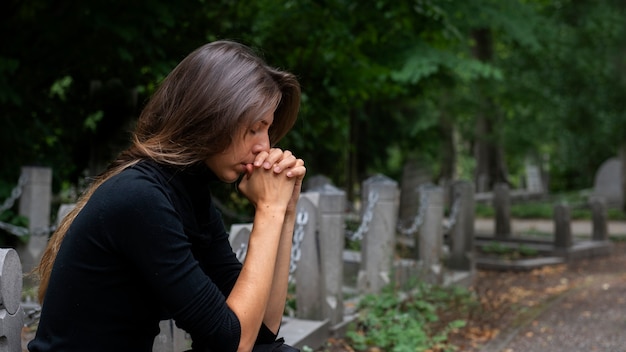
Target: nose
[(262, 143)]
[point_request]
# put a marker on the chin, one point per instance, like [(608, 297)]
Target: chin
[(230, 178)]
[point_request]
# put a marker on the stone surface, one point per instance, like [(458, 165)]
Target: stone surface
[(607, 182)]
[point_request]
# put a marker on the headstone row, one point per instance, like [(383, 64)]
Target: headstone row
[(319, 277)]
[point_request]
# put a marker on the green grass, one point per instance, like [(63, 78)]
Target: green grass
[(544, 209), (508, 252), (410, 321)]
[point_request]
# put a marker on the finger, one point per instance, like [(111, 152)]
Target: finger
[(288, 161), (274, 156), (249, 169), (297, 171), (260, 158)]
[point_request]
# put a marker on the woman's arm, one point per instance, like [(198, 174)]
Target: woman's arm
[(250, 296), (280, 283), (278, 296), (272, 193)]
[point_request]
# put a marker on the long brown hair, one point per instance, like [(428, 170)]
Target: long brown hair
[(195, 113)]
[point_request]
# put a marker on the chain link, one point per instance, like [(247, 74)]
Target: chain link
[(368, 215), (22, 231), (241, 252), (449, 223), (418, 220), (14, 230), (8, 204), (302, 220), (15, 193)]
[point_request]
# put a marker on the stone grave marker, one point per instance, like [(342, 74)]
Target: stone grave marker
[(35, 205), (11, 312), (414, 174), (534, 182), (607, 183)]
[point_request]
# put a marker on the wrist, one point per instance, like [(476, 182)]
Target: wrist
[(271, 210)]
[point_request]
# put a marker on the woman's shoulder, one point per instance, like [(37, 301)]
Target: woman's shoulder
[(139, 181)]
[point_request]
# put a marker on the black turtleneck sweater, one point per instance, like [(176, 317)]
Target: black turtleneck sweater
[(148, 245)]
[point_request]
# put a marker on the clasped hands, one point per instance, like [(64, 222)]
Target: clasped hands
[(274, 179)]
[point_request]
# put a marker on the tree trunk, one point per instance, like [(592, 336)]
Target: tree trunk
[(488, 151), (448, 148), (352, 157), (622, 157)]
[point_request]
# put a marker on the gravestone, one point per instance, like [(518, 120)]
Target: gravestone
[(600, 230), (502, 209), (239, 238), (310, 287), (34, 204), (11, 311), (378, 244), (534, 181), (331, 208), (563, 240), (414, 174), (316, 182), (462, 233), (431, 236), (608, 183)]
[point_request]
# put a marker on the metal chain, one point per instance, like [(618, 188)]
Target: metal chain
[(32, 313), (302, 219), (372, 199), (8, 204), (241, 252), (15, 193), (14, 230), (449, 223), (298, 235), (22, 231), (421, 213)]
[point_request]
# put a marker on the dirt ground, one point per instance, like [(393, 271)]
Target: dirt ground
[(517, 309)]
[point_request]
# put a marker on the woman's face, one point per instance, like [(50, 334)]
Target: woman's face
[(249, 141)]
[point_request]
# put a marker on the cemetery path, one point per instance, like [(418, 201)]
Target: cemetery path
[(579, 306)]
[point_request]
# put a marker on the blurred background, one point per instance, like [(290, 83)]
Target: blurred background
[(467, 89)]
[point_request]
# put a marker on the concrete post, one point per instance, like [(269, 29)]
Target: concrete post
[(431, 236), (11, 312), (332, 204), (239, 237), (309, 286), (170, 338), (599, 217), (315, 182), (562, 229), (462, 233), (35, 205), (378, 245), (415, 173), (502, 208)]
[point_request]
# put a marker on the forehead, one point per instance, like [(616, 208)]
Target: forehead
[(265, 118)]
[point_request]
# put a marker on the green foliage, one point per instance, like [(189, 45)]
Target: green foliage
[(395, 321), (60, 88), (578, 201), (516, 251), (8, 239), (91, 122), (291, 305), (382, 82)]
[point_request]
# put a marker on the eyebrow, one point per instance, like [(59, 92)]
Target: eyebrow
[(263, 122)]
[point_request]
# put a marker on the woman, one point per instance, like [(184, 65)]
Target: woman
[(146, 243)]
